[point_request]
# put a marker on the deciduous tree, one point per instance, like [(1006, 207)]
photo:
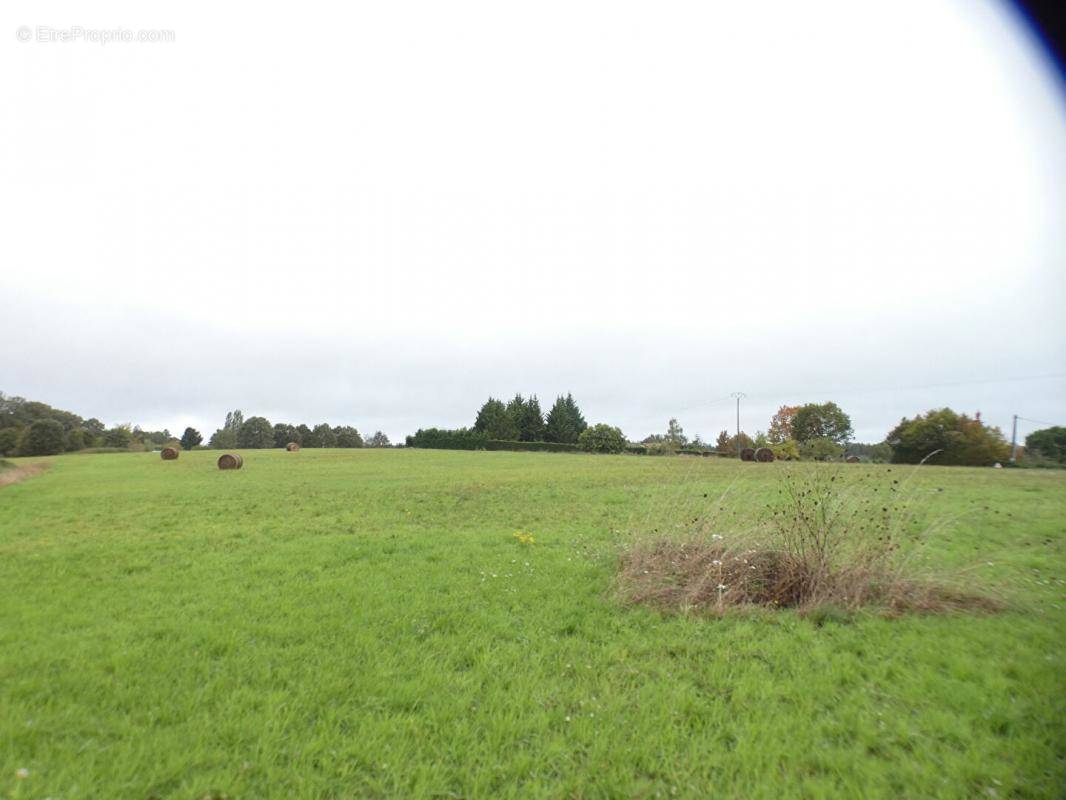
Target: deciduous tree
[(76, 439), (284, 433), (820, 448), (1049, 443), (324, 436), (821, 421), (781, 424), (602, 438), (961, 440), (9, 441), (45, 437), (119, 436), (347, 436), (255, 433), (223, 439), (727, 445), (379, 439), (675, 434), (95, 427)]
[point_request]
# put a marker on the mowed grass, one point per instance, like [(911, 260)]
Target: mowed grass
[(347, 624)]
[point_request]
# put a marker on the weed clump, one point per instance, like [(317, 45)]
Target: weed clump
[(828, 540)]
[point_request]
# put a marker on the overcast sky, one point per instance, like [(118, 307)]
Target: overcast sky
[(379, 214)]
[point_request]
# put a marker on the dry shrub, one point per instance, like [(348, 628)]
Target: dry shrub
[(828, 539)]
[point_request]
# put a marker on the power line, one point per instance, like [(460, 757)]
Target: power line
[(1014, 434), (853, 390), (857, 389), (927, 385), (766, 395), (1039, 421), (720, 400)]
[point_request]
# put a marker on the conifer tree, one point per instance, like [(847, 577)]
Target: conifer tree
[(557, 424), (528, 418), (190, 439), (564, 422), (495, 422), (577, 420)]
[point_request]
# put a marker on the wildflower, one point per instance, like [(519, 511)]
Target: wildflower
[(22, 773), (721, 587)]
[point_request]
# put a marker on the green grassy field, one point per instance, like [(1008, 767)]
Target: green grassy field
[(344, 624)]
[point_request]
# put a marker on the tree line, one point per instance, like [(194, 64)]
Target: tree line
[(809, 432), (823, 431), (257, 433), (521, 420), (815, 431), (32, 428), (520, 424)]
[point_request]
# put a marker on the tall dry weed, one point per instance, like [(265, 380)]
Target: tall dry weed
[(827, 535)]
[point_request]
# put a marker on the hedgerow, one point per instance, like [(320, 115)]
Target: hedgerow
[(548, 447), (441, 439)]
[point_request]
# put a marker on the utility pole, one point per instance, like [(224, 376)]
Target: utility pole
[(738, 395), (1014, 440)]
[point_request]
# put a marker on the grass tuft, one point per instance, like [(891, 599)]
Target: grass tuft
[(830, 540)]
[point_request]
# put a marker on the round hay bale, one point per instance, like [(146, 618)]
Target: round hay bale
[(230, 461), (747, 454), (293, 447), (852, 460), (168, 453), (764, 454)]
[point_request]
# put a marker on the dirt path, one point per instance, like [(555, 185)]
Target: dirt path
[(21, 473)]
